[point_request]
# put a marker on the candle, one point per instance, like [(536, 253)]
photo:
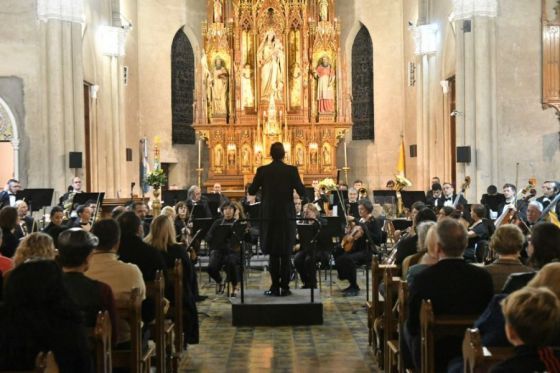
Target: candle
[(199, 153), (345, 156)]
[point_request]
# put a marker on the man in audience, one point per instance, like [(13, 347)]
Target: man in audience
[(91, 296), (141, 210), (454, 288), (507, 243), (8, 195), (532, 318), (105, 266), (133, 250)]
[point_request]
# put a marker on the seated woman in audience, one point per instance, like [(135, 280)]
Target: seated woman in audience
[(507, 243), (408, 245), (544, 248), (35, 245), (75, 247), (532, 320), (9, 221), (162, 237), (5, 263), (38, 315), (427, 239), (55, 227)]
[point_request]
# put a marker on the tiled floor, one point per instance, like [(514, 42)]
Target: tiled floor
[(339, 345)]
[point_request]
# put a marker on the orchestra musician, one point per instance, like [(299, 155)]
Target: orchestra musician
[(478, 231), (84, 218), (224, 250), (435, 180), (492, 201), (434, 197), (550, 190), (352, 206), (74, 188), (534, 212), (364, 233), (26, 223), (8, 195), (181, 220), (217, 189), (449, 197), (55, 227), (310, 254), (196, 201)]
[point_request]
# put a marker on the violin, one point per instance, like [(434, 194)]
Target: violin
[(354, 233)]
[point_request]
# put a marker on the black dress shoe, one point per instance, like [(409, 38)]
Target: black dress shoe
[(272, 293), (285, 292)]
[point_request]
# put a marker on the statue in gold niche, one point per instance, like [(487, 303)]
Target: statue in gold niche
[(323, 10), (271, 61), (326, 155), (325, 76), (219, 88), (247, 87), (218, 10), (295, 87)]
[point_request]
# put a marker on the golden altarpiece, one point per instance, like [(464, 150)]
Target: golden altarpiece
[(271, 70)]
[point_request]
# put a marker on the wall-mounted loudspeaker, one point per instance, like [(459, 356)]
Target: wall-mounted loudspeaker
[(413, 151), (463, 154), (75, 159), (128, 154)]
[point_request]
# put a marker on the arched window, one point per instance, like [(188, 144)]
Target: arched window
[(182, 89), (362, 87)]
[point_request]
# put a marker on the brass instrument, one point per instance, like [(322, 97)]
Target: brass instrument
[(68, 205), (362, 193), (401, 182)]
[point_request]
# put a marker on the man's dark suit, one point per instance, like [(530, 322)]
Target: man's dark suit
[(455, 288), (4, 198), (278, 181)]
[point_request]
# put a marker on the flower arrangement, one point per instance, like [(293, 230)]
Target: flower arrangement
[(327, 184), (155, 178)]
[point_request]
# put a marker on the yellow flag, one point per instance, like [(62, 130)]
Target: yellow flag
[(401, 165)]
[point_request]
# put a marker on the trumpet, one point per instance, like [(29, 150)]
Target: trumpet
[(362, 193)]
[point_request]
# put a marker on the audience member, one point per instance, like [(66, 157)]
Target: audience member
[(452, 285), (408, 245), (91, 296), (106, 267), (8, 223), (507, 243), (36, 245), (5, 263), (38, 315), (427, 240)]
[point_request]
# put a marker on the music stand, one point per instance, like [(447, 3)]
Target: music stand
[(409, 197), (36, 199), (308, 237), (81, 198), (336, 199), (172, 197), (202, 224), (353, 210), (401, 224), (310, 194), (384, 197), (334, 227)]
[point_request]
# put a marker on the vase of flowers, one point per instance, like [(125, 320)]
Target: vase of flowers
[(156, 179)]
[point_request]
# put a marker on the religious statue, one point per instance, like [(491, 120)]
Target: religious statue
[(325, 76), (218, 9), (218, 157), (219, 88), (300, 156), (258, 158), (245, 157), (313, 156), (323, 10), (206, 77), (295, 86), (326, 155), (247, 87), (271, 62), (231, 158)]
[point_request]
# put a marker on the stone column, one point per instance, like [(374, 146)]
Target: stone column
[(476, 94), (63, 102)]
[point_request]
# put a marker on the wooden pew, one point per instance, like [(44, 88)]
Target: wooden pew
[(137, 358), (374, 306), (44, 363), (100, 337), (390, 322), (479, 359), (432, 328), (154, 290), (176, 279)]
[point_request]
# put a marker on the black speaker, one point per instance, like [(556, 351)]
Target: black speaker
[(128, 154), (75, 159), (463, 154), (413, 151), (467, 25)]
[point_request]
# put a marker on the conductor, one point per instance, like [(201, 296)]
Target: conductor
[(277, 182)]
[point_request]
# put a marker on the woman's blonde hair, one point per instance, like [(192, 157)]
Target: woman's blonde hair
[(35, 245), (162, 233), (548, 276), (507, 240), (169, 212), (422, 232)]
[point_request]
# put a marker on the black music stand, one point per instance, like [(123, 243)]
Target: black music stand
[(384, 197), (308, 234), (36, 199), (336, 197), (172, 197), (335, 226), (81, 198), (409, 197), (310, 194), (401, 224), (202, 224)]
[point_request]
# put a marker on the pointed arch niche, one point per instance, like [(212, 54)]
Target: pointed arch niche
[(182, 89), (9, 143), (362, 87)]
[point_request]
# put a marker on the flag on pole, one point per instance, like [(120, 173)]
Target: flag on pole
[(401, 165)]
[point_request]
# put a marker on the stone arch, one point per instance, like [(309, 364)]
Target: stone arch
[(9, 132), (362, 86), (182, 89)]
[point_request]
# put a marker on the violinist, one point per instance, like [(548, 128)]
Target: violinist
[(450, 198), (310, 254), (84, 218), (181, 220), (352, 206), (364, 233), (477, 231), (27, 224), (196, 201), (509, 191), (550, 190), (224, 250)]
